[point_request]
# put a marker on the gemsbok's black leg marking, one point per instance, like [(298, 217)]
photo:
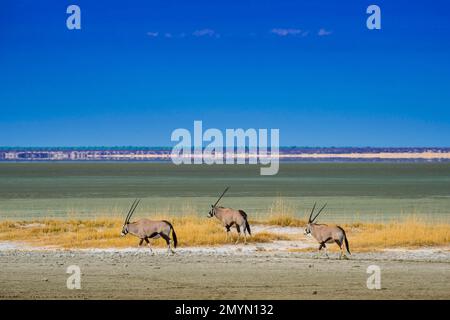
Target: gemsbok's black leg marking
[(148, 244), (167, 238), (228, 229), (238, 229)]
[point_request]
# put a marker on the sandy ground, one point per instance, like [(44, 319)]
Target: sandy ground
[(228, 272)]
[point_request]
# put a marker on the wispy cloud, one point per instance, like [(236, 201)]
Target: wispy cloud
[(197, 33), (205, 33), (286, 32), (323, 32), (281, 32)]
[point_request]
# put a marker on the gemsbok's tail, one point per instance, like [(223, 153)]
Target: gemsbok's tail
[(247, 225), (174, 235), (345, 240)]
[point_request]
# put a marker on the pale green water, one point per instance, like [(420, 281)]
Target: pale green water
[(353, 191)]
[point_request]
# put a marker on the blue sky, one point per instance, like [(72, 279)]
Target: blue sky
[(137, 70)]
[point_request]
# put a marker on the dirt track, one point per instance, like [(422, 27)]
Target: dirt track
[(202, 275)]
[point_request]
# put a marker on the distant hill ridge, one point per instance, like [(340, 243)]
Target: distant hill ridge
[(135, 153), (288, 149)]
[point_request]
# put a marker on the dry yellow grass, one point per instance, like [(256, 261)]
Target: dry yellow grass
[(282, 220), (281, 213), (411, 232), (193, 230), (105, 233), (197, 231)]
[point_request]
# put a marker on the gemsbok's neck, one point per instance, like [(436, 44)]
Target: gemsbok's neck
[(218, 213), (314, 228), (133, 228)]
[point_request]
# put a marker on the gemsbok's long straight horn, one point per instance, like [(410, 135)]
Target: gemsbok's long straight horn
[(312, 211), (223, 193), (131, 211), (319, 212)]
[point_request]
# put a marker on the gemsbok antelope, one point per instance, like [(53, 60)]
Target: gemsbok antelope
[(326, 234), (146, 229), (231, 217)]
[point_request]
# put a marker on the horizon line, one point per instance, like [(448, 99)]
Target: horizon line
[(169, 147)]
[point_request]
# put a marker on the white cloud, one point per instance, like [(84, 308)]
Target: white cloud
[(152, 34), (205, 33), (286, 32), (323, 32)]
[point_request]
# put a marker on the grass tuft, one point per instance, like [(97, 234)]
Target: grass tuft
[(281, 213)]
